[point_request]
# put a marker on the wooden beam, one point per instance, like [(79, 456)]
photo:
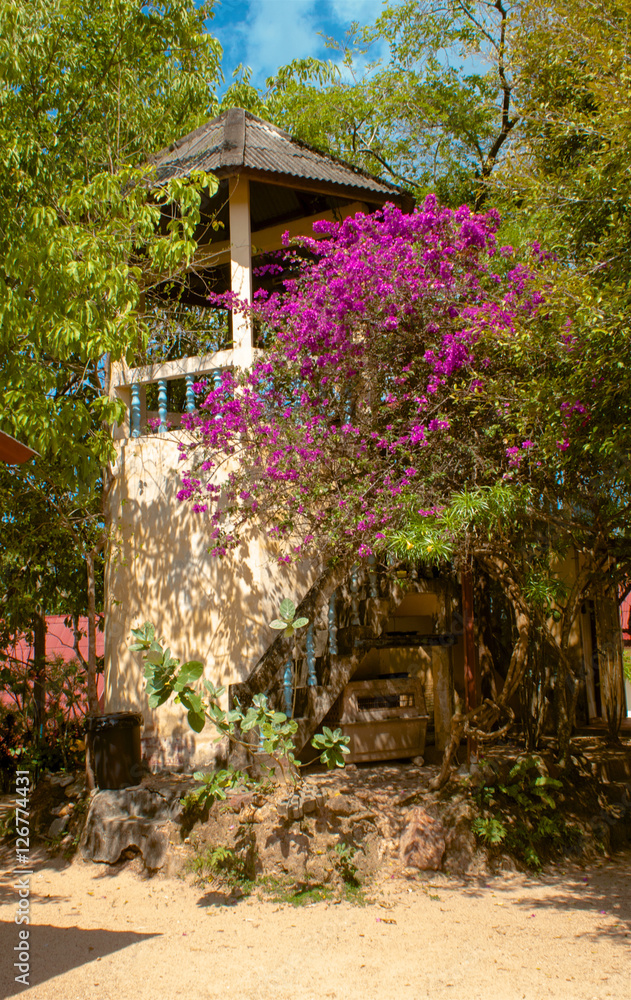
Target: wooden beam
[(376, 198), (271, 238)]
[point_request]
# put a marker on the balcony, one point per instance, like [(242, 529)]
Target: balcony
[(157, 396)]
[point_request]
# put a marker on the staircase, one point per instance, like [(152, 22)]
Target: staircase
[(347, 607)]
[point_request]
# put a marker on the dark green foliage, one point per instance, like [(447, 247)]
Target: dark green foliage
[(522, 814)]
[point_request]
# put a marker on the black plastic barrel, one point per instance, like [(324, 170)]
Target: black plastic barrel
[(115, 743)]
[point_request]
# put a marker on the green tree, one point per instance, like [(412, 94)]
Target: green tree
[(571, 170), (85, 97), (86, 94), (435, 115)]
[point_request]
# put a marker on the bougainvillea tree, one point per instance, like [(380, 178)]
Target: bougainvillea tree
[(419, 395)]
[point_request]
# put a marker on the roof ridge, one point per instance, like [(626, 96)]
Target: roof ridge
[(175, 145), (221, 145)]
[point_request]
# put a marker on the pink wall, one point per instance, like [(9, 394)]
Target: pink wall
[(59, 642), (625, 620)]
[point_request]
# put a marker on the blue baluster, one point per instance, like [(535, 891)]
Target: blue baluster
[(288, 689), (216, 377), (348, 408), (372, 576), (162, 405), (190, 395), (332, 625), (135, 410), (311, 670), (355, 595)]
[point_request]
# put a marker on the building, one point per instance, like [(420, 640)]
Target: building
[(364, 625)]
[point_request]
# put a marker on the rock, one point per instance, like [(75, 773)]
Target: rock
[(62, 780), (423, 841), (110, 838), (419, 761), (460, 850), (267, 813), (58, 826), (77, 788), (309, 803), (344, 805), (291, 808), (241, 801), (129, 819)]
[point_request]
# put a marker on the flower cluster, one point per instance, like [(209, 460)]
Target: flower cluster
[(384, 347)]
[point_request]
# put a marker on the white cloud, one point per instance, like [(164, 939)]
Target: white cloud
[(277, 31), (266, 34), (363, 11)]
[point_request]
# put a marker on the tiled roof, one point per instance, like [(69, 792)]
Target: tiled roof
[(238, 140)]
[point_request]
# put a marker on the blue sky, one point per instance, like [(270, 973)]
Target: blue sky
[(265, 34)]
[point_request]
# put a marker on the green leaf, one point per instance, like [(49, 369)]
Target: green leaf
[(196, 720), (158, 698), (190, 671), (287, 609), (153, 656), (277, 624), (300, 623)]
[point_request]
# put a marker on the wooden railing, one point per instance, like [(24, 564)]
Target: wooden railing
[(131, 385)]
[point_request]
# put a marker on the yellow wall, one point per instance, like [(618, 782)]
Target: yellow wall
[(159, 570)]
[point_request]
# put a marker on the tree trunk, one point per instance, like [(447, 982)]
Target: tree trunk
[(470, 679), (93, 701), (610, 658), (39, 682), (487, 714)]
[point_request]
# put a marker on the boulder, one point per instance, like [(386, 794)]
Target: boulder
[(423, 841), (462, 854), (344, 805), (58, 826), (109, 839), (76, 789), (63, 780)]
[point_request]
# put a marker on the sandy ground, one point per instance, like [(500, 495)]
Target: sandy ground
[(112, 934)]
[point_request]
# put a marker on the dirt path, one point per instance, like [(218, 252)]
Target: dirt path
[(112, 934)]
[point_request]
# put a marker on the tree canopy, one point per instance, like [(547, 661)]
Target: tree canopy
[(429, 392), (570, 170), (86, 94), (435, 114)]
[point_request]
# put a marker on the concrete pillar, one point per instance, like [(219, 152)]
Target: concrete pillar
[(241, 267), (442, 674)]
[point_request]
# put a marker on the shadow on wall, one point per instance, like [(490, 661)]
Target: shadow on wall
[(161, 570), (175, 752)]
